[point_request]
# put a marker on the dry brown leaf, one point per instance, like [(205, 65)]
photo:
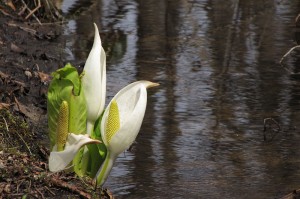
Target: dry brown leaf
[(16, 48), (44, 77), (4, 105), (11, 5)]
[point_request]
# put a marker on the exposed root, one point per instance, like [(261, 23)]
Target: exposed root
[(60, 183)]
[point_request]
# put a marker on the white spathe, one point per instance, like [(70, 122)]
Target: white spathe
[(58, 161), (131, 101), (94, 81)]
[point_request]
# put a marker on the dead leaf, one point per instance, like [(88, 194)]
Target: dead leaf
[(3, 75), (44, 77), (11, 5), (16, 48), (28, 111), (4, 105)]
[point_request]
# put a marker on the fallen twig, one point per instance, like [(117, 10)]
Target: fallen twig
[(63, 184), (42, 195), (34, 10), (19, 184), (49, 190), (30, 12), (26, 29), (285, 55)]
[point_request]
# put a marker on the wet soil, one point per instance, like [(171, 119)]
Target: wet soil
[(29, 53)]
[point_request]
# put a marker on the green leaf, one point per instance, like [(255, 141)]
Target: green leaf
[(81, 161), (97, 151), (66, 86), (70, 73)]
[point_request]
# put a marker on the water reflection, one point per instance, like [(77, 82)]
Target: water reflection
[(218, 68)]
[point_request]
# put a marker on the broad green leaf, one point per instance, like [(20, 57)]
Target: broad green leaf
[(58, 92), (70, 73), (66, 86), (81, 159)]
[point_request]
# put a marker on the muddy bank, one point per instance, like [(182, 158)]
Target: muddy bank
[(29, 52)]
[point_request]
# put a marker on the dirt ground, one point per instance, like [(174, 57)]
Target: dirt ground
[(29, 52)]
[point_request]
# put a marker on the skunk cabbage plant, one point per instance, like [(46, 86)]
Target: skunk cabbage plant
[(66, 86), (121, 123), (67, 115), (67, 144), (83, 136)]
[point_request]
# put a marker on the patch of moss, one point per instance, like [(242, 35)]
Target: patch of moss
[(15, 133)]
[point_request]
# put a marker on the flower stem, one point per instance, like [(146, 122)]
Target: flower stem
[(89, 127), (105, 169)]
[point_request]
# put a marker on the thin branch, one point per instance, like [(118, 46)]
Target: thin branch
[(63, 184), (285, 55), (34, 10), (49, 190), (25, 5), (42, 195)]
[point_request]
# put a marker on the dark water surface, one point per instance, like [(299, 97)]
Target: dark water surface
[(218, 66)]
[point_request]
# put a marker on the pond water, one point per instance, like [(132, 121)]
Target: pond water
[(217, 63)]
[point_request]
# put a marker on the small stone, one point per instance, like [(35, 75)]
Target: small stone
[(9, 159), (2, 166), (7, 188), (28, 74)]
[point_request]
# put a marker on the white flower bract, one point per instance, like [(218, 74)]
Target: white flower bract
[(131, 101), (94, 81), (58, 161)]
